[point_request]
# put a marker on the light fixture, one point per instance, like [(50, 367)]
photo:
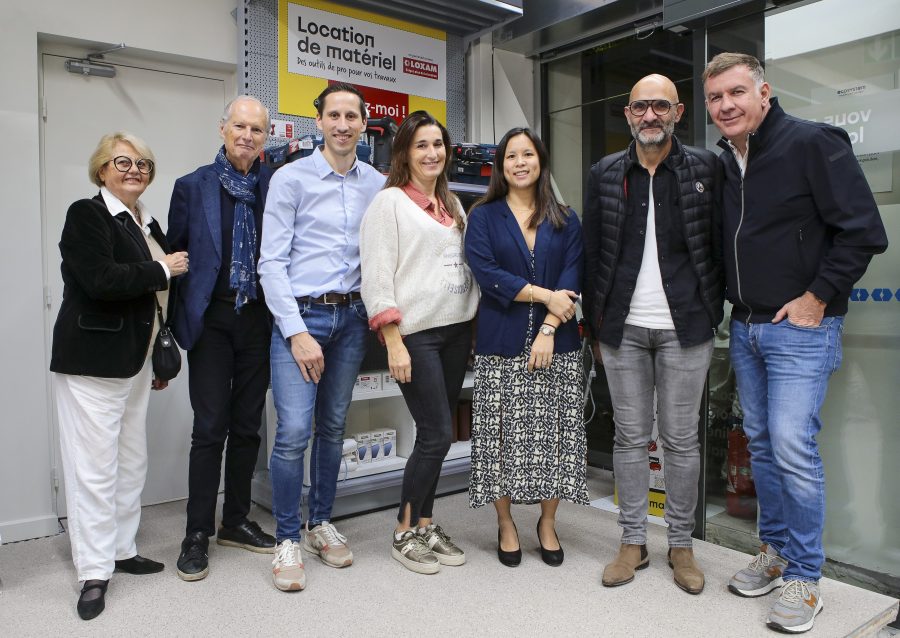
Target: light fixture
[(89, 65)]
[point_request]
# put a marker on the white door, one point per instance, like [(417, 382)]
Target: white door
[(176, 111)]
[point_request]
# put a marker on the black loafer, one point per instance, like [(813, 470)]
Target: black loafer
[(247, 535), (193, 562), (139, 566), (553, 557), (510, 559), (88, 609)]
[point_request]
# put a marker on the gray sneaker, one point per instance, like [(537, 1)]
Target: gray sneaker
[(441, 546), (331, 546), (761, 576), (795, 610), (414, 554)]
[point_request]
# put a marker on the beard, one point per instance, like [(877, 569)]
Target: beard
[(653, 139)]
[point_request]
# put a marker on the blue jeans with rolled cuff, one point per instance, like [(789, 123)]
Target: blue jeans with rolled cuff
[(341, 332)]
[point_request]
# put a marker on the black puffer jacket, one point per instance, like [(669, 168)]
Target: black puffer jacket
[(699, 183)]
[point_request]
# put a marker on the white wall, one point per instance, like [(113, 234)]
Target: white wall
[(500, 87), (200, 31)]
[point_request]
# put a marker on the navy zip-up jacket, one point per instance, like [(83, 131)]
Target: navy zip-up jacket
[(802, 218)]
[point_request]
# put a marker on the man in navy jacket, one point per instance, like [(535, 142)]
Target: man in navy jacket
[(800, 227), (222, 321)]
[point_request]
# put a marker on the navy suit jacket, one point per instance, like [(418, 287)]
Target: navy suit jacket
[(498, 256), (195, 225)]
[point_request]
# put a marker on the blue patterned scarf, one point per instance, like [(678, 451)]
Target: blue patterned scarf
[(242, 276)]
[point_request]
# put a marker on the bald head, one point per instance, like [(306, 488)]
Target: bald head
[(652, 111), (654, 86)]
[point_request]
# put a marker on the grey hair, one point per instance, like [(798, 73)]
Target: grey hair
[(226, 114), (724, 61)]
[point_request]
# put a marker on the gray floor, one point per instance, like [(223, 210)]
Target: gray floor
[(378, 597)]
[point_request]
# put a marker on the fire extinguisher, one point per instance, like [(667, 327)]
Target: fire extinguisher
[(740, 492)]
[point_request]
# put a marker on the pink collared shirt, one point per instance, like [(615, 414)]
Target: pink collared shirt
[(422, 200)]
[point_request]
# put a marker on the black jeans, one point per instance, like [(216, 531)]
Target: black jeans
[(228, 379), (438, 358)]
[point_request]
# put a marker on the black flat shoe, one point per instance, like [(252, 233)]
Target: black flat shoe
[(93, 607), (510, 559), (139, 566), (553, 557)]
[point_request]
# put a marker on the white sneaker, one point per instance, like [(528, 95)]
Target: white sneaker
[(287, 571)]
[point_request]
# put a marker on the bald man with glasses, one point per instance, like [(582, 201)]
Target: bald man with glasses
[(653, 296)]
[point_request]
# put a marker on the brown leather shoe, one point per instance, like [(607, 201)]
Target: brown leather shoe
[(621, 570), (687, 575)]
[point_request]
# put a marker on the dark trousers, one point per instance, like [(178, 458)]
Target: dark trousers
[(228, 379), (438, 359)]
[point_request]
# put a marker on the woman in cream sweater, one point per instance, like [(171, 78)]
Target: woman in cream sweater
[(421, 296)]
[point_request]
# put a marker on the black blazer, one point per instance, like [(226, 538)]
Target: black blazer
[(110, 279)]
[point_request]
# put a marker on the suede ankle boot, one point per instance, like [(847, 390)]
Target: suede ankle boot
[(621, 570), (687, 575)]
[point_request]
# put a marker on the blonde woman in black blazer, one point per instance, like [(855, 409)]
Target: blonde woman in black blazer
[(114, 268)]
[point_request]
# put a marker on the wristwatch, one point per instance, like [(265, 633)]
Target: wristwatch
[(547, 330)]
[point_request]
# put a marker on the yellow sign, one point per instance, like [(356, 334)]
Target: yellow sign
[(398, 66)]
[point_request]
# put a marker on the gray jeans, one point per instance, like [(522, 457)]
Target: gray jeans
[(648, 359)]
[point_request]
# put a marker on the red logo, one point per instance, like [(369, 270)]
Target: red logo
[(421, 68)]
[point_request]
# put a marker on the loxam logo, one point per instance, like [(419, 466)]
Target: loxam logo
[(876, 294)]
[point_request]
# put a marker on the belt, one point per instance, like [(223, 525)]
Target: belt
[(332, 298)]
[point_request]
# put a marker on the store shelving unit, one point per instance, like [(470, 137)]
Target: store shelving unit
[(372, 485)]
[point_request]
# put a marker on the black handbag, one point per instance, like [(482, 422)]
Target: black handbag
[(166, 356)]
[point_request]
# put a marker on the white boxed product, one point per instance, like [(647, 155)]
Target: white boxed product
[(376, 445), (369, 382), (362, 448), (389, 444), (387, 381)]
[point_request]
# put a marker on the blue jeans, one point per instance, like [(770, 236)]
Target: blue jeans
[(341, 332), (782, 374), (652, 361)]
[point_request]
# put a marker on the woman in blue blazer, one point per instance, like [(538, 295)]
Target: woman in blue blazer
[(528, 440)]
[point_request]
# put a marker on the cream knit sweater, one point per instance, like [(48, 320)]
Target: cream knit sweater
[(414, 264)]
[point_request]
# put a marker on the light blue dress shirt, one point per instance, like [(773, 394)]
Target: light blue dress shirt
[(310, 234)]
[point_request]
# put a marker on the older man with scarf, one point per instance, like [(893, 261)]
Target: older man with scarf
[(222, 321)]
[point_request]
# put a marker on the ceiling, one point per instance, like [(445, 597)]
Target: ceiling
[(459, 17)]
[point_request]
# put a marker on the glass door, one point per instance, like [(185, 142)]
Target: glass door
[(849, 78)]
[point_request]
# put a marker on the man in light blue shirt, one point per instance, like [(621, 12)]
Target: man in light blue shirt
[(310, 271)]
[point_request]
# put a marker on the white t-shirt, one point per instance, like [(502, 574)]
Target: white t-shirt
[(649, 306)]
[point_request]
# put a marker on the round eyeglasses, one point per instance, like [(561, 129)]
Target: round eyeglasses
[(123, 164), (660, 107)]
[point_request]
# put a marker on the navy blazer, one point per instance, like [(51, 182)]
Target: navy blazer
[(195, 225), (106, 317), (500, 260)]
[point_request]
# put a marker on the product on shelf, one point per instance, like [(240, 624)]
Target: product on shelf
[(369, 381), (375, 445), (363, 454), (389, 444)]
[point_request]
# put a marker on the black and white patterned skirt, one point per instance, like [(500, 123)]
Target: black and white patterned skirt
[(528, 439)]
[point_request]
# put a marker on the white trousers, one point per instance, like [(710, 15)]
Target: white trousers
[(103, 441)]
